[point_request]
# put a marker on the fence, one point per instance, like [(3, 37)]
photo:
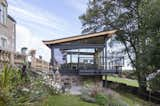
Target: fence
[(18, 59), (39, 64)]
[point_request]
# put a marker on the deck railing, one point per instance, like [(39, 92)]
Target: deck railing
[(40, 65), (69, 72), (89, 69), (94, 72), (19, 59), (89, 72)]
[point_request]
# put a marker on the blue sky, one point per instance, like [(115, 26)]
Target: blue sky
[(39, 20)]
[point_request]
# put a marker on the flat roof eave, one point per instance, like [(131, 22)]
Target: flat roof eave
[(79, 37)]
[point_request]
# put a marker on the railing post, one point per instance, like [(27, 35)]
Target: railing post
[(70, 61), (78, 59), (106, 53), (52, 57), (12, 58)]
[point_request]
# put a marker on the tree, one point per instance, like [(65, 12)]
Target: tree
[(133, 20), (150, 30)]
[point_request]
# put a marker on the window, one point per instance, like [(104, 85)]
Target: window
[(3, 14), (3, 42)]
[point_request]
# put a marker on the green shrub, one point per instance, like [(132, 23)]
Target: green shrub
[(154, 83), (88, 83), (18, 91), (9, 80), (101, 99)]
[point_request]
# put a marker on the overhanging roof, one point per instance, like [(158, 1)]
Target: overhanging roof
[(79, 37)]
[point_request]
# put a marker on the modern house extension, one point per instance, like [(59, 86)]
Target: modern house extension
[(85, 55), (7, 35)]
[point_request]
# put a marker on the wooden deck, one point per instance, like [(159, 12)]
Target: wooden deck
[(97, 72), (89, 72)]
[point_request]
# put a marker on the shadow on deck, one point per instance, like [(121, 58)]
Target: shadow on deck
[(89, 72)]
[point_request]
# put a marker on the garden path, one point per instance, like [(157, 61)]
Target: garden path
[(75, 90)]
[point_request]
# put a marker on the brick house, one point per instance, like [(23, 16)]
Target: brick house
[(7, 35)]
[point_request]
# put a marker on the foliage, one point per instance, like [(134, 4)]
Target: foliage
[(18, 91), (88, 82), (65, 100), (9, 80), (101, 99), (154, 83), (138, 27), (150, 37), (53, 90)]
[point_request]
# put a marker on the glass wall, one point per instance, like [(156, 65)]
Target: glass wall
[(59, 57), (79, 59)]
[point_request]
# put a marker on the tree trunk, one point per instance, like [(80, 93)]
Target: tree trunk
[(142, 83)]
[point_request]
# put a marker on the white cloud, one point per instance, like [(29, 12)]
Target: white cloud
[(34, 15), (38, 21), (25, 38), (35, 24)]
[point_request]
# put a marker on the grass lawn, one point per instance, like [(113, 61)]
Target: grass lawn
[(129, 98), (126, 81), (64, 100), (133, 100)]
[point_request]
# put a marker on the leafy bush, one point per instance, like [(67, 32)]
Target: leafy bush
[(9, 81), (101, 99), (88, 83), (18, 91), (52, 87), (107, 98), (52, 90), (154, 83), (86, 95), (94, 95)]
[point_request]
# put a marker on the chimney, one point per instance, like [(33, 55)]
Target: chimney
[(24, 50), (40, 57)]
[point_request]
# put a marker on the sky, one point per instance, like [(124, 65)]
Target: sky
[(39, 20)]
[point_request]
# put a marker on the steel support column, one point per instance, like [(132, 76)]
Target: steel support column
[(103, 57), (70, 61), (78, 59), (106, 67), (106, 53), (52, 57)]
